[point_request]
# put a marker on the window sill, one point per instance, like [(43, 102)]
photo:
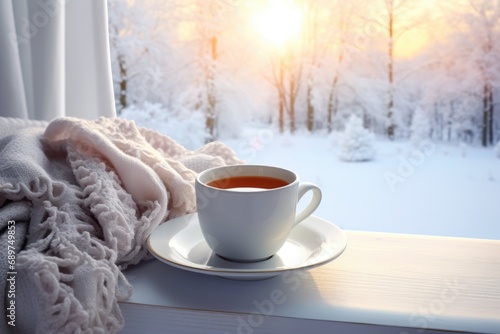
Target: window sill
[(383, 283)]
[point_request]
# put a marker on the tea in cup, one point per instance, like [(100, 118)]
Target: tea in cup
[(246, 212)]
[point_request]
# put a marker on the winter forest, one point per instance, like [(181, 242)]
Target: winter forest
[(425, 66)]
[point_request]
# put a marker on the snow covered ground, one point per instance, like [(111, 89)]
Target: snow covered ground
[(437, 189)]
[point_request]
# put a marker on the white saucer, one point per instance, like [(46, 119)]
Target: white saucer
[(180, 243)]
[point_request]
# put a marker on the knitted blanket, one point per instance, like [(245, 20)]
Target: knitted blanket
[(77, 201)]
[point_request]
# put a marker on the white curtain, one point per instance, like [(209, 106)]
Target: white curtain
[(54, 59)]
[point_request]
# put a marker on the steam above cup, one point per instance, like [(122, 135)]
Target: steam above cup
[(246, 212)]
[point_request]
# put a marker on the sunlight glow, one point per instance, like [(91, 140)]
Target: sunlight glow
[(411, 44), (279, 22)]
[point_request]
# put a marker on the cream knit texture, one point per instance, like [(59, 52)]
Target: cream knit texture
[(85, 195)]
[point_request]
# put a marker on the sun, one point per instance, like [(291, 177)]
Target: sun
[(279, 22)]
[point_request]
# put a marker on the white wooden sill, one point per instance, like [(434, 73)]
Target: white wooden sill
[(383, 283)]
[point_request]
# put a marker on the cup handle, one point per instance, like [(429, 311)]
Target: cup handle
[(309, 209)]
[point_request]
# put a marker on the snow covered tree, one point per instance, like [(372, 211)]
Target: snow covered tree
[(139, 50), (287, 72), (207, 39), (497, 149), (311, 44), (395, 19), (476, 48), (356, 143), (420, 126), (342, 14)]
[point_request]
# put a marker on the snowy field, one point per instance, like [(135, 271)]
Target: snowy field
[(439, 189)]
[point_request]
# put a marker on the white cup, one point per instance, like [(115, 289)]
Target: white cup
[(248, 223)]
